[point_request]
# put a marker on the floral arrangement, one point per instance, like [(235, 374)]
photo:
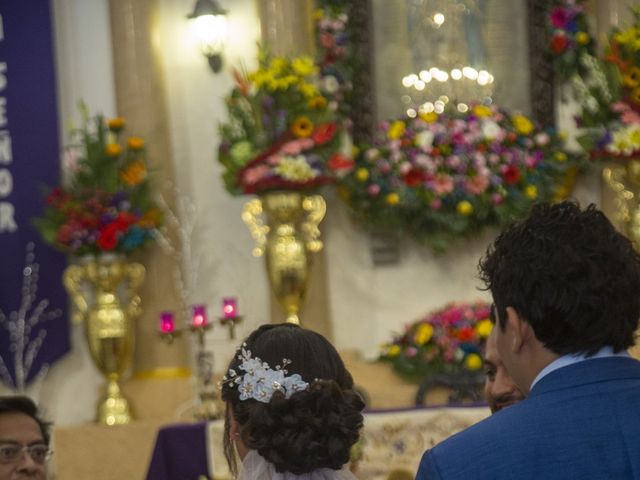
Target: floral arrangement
[(616, 131), (570, 37), (442, 176), (448, 340), (334, 53), (104, 205), (282, 131)]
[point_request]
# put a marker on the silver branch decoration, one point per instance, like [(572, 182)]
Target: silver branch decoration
[(20, 325)]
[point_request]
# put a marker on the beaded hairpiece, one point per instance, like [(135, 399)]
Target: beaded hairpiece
[(261, 381)]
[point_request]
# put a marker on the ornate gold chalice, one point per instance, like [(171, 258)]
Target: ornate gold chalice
[(287, 240), (108, 322)]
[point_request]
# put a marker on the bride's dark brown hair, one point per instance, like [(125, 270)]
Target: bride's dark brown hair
[(313, 429)]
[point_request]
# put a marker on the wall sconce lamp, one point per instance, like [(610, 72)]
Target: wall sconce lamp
[(210, 25)]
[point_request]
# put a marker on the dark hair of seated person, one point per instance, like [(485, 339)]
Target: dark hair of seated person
[(22, 404), (570, 274), (312, 429)]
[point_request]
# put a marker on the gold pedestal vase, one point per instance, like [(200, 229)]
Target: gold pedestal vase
[(624, 180), (103, 289), (287, 239)]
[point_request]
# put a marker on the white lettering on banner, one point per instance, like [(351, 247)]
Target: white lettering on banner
[(3, 75), (3, 111), (7, 223), (6, 182), (6, 154)]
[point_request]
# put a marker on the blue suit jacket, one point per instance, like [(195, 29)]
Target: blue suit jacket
[(579, 422)]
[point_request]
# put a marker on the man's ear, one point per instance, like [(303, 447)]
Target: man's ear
[(519, 330)]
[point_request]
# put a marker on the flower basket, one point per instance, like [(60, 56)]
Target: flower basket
[(104, 205), (447, 341), (442, 176), (282, 132)]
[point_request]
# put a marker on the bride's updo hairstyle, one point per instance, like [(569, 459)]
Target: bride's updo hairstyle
[(309, 424)]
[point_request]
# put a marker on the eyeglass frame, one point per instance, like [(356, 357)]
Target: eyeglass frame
[(25, 448)]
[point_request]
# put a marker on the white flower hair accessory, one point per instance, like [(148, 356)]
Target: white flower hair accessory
[(260, 381)]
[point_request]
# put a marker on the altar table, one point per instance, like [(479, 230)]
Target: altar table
[(392, 442)]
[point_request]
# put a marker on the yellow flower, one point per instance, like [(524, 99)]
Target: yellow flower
[(560, 156), (393, 351), (134, 174), (135, 143), (392, 199), (302, 127), (522, 124), (303, 66), (277, 65), (582, 38), (308, 89), (423, 334), (464, 208), (481, 111), (295, 168), (113, 149), (531, 192), (396, 130), (484, 327), (627, 36), (473, 362), (631, 79), (362, 174), (428, 117), (318, 13), (115, 124), (151, 218), (317, 103)]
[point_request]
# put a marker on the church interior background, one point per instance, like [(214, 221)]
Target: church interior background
[(139, 59)]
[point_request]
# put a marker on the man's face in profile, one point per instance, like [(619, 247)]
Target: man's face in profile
[(499, 389), (18, 431)]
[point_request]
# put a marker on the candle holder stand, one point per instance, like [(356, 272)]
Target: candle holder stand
[(207, 405)]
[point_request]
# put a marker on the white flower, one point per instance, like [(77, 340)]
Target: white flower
[(490, 129), (424, 139), (330, 84)]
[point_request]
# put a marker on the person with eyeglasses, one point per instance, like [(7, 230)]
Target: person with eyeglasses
[(24, 440)]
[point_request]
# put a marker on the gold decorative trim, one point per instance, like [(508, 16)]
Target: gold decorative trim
[(163, 373)]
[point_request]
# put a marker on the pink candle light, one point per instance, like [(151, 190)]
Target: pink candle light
[(199, 318), (229, 307), (167, 322)]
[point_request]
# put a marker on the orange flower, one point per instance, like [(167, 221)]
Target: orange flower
[(135, 143), (113, 149), (115, 124), (302, 127), (317, 103), (135, 173), (150, 219)]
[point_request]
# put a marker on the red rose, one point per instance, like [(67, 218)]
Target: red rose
[(324, 133), (559, 43), (108, 237), (414, 177), (511, 175), (338, 161), (465, 334)]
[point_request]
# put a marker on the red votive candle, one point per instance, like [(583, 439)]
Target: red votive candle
[(229, 307), (199, 318), (167, 323)]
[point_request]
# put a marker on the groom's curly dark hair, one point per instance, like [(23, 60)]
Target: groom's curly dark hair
[(312, 429), (570, 274)]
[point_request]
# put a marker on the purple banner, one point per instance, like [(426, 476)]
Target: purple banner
[(34, 329)]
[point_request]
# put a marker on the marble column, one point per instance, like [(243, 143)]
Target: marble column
[(140, 98), (288, 29)]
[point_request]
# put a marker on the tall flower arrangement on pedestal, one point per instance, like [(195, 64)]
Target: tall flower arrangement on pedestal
[(104, 205), (282, 133)]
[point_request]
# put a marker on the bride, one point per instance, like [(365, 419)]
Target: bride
[(291, 410)]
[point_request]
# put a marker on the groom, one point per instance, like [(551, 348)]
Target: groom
[(566, 288)]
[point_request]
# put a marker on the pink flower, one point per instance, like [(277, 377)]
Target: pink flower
[(477, 184), (255, 174), (443, 183), (560, 17), (373, 189), (436, 204), (296, 146), (496, 198)]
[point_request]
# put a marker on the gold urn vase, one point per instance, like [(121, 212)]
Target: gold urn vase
[(103, 290), (624, 180), (284, 225)]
